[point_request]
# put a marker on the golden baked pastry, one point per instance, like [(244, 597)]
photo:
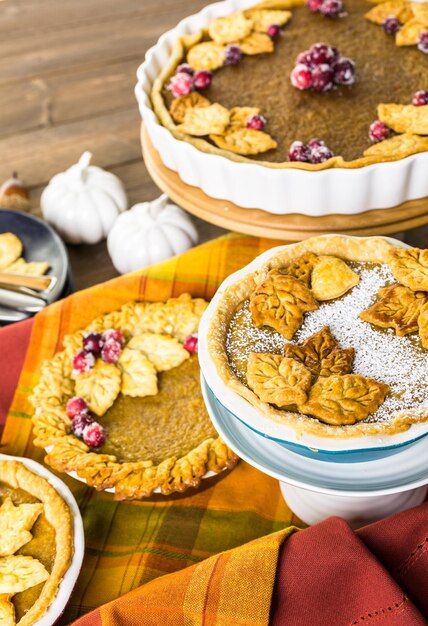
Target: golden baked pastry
[(11, 261), (331, 278), (410, 267), (301, 268), (137, 370), (36, 544), (397, 307)]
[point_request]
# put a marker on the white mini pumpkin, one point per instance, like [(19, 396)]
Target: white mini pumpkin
[(83, 202), (148, 233)]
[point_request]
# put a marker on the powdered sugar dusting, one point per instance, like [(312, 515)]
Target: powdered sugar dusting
[(400, 362)]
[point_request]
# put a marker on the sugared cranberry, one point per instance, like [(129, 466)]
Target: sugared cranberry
[(331, 8), (93, 435), (322, 78), (202, 79), (299, 151), (191, 344), (423, 42), (75, 406), (257, 122), (274, 31), (319, 154), (181, 84), (315, 143), (111, 350), (80, 422), (186, 68), (92, 342), (301, 77), (378, 131), (344, 72), (420, 98), (113, 333), (232, 54), (304, 58), (391, 25), (322, 53), (313, 5), (83, 361)]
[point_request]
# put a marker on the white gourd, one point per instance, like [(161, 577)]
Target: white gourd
[(148, 233), (83, 202)]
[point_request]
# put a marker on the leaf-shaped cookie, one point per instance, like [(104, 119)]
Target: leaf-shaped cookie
[(344, 399), (301, 267), (207, 55), (10, 249), (244, 141), (201, 121), (423, 325), (404, 118), (410, 267), (239, 116), (34, 268), (280, 301), (7, 611), (398, 146), (332, 278), (18, 573), (396, 307), (99, 387), (139, 378), (409, 33), (15, 524), (180, 105), (256, 43), (277, 379), (263, 18), (396, 8), (163, 351), (322, 355), (420, 12), (230, 29)]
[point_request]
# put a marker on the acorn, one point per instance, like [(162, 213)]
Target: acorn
[(14, 195)]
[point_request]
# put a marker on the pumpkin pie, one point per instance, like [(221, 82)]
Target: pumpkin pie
[(352, 360), (36, 544), (121, 404)]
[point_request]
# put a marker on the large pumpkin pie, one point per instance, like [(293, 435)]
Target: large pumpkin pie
[(122, 407), (36, 544), (329, 336), (345, 80)]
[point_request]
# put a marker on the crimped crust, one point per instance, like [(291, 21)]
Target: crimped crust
[(58, 515), (178, 317), (373, 249)]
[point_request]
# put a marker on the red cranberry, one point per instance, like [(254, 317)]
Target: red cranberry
[(186, 68), (322, 53), (191, 344), (92, 342), (378, 131), (80, 422), (301, 77), (113, 333), (320, 154), (75, 406), (274, 31), (232, 54), (181, 84), (93, 435), (315, 143), (322, 78), (299, 151), (344, 71), (202, 79), (111, 350), (83, 361), (304, 58), (331, 8), (423, 42), (420, 98), (391, 25), (257, 122), (313, 5)]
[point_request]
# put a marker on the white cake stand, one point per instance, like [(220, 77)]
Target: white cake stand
[(315, 489)]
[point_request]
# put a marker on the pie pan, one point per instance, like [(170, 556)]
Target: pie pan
[(272, 189), (67, 584), (356, 448)]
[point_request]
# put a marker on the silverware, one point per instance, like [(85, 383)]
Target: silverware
[(37, 283), (8, 316), (21, 299)]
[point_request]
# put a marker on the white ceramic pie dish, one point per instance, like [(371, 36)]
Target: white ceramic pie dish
[(68, 582), (355, 448), (279, 191)]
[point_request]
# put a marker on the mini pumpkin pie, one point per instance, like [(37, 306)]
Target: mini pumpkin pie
[(36, 544), (122, 407), (325, 338), (325, 83)]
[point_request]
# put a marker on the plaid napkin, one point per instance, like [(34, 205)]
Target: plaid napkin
[(131, 543)]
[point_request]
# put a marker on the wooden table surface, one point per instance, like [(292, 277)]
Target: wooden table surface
[(67, 76)]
